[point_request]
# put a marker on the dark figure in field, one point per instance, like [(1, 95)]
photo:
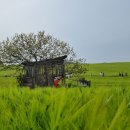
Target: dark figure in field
[(123, 74), (88, 83), (85, 82)]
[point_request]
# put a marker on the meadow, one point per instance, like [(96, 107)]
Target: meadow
[(111, 71), (103, 106)]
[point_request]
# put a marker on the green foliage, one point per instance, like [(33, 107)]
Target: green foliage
[(32, 47), (65, 109), (76, 68), (20, 79)]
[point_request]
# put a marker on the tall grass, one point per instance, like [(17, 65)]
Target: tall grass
[(104, 106), (65, 109)]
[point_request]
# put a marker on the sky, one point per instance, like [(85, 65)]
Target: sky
[(98, 30)]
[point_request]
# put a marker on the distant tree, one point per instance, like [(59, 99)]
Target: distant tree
[(31, 47), (76, 68)]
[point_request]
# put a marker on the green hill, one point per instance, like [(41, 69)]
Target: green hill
[(109, 68), (111, 72)]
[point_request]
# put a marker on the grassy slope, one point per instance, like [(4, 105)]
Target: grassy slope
[(111, 71), (109, 68)]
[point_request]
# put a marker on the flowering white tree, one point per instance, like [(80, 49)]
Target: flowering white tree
[(32, 47)]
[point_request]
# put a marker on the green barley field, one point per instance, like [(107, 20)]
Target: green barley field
[(103, 106)]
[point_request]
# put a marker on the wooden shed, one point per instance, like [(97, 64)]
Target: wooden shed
[(42, 73)]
